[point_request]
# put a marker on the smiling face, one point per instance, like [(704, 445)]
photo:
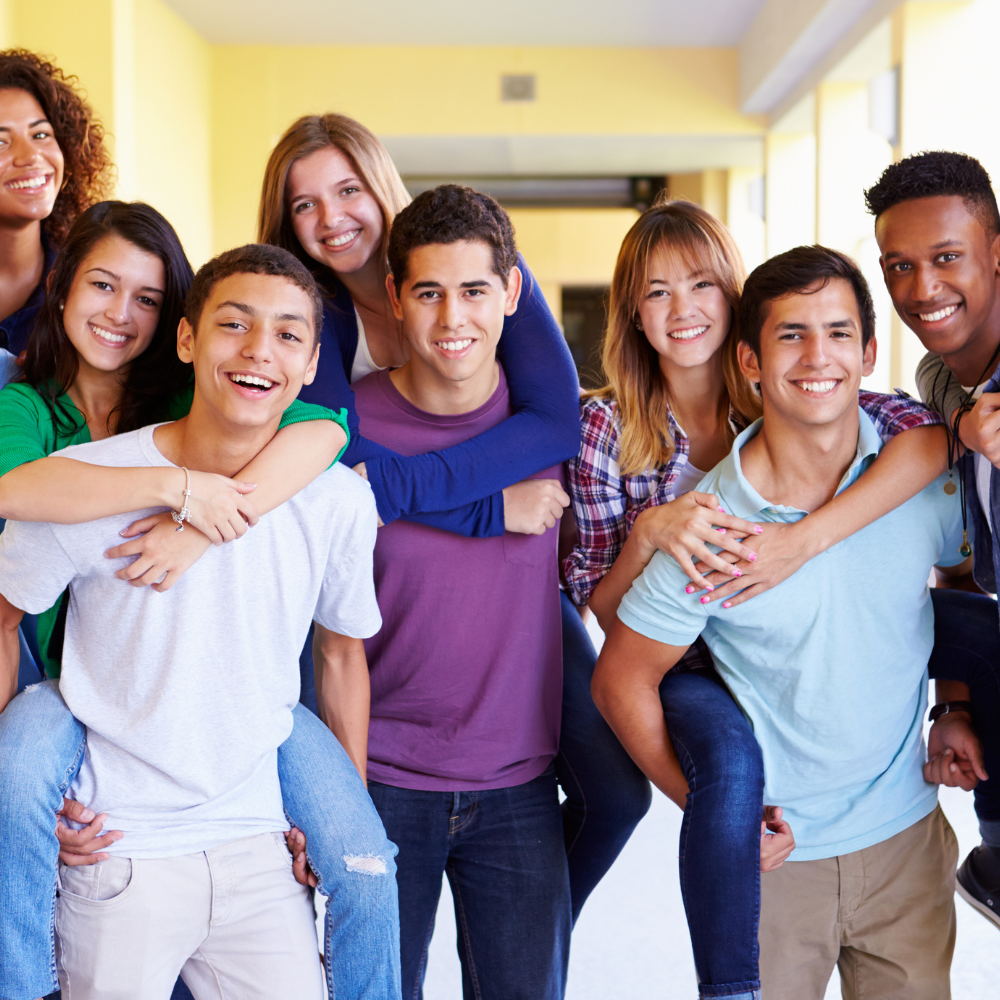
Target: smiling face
[(452, 304), (254, 349), (683, 311), (31, 162), (335, 217), (113, 305), (941, 269), (811, 362)]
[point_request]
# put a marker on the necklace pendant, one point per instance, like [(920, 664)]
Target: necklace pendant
[(950, 488), (965, 549)]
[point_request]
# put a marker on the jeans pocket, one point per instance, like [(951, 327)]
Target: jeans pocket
[(97, 883)]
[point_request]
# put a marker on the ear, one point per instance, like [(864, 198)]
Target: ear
[(397, 306), (185, 341), (749, 364), (881, 266), (515, 281), (995, 250), (869, 361), (311, 368)]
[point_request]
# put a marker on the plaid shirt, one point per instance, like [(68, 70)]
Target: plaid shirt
[(606, 503)]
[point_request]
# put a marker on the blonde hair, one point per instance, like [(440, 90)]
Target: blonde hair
[(369, 158), (631, 365)]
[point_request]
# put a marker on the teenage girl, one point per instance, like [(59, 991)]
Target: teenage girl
[(101, 360), (53, 165), (330, 194), (673, 402)]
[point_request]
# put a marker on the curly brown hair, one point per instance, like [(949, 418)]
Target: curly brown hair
[(88, 170)]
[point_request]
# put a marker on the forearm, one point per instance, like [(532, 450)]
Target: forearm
[(343, 692), (293, 458), (64, 491), (10, 651), (908, 463), (951, 691), (608, 594)]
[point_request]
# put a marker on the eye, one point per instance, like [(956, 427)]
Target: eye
[(657, 293), (899, 267), (429, 293), (947, 258), (233, 325), (147, 301), (42, 135), (287, 335), (102, 285), (302, 206), (475, 292), (350, 189), (705, 284)]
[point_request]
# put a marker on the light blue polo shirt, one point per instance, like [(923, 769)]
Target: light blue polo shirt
[(830, 666)]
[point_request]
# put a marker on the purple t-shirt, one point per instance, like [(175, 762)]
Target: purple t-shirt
[(466, 672)]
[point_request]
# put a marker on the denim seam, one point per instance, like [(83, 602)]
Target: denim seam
[(422, 965), (461, 824), (470, 961), (582, 798)]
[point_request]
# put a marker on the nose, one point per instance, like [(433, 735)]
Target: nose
[(680, 303), (258, 345), (24, 151), (814, 352), (926, 284), (451, 313), (331, 213), (119, 309)]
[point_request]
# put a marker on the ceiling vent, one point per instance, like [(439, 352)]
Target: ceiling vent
[(517, 88)]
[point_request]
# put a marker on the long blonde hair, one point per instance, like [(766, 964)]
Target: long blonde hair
[(631, 365), (369, 157)]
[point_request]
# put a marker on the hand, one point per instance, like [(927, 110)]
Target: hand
[(219, 510), (362, 470), (296, 841), (776, 839), (979, 429), (685, 527), (954, 753), (161, 550), (533, 505), (86, 846), (779, 551)]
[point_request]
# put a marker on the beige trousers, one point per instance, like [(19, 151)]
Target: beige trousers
[(885, 916), (232, 920)]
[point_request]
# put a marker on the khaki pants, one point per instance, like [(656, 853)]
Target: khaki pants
[(885, 916), (233, 919)]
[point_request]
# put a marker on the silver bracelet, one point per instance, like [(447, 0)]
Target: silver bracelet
[(182, 515)]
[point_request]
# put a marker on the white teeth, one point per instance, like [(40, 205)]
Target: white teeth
[(339, 241), (689, 334), (940, 314), (251, 380), (818, 386), (31, 182), (454, 345), (111, 338)]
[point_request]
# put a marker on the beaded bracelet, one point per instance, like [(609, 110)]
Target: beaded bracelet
[(182, 515)]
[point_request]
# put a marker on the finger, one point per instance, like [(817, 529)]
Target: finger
[(242, 487), (167, 582), (729, 543), (737, 525), (562, 497), (132, 548), (727, 557), (744, 595), (709, 500), (974, 758), (151, 576), (78, 812), (141, 526), (92, 846), (249, 512), (75, 860), (728, 589), (140, 565)]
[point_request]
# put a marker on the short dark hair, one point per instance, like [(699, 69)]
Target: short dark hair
[(929, 175), (447, 214), (254, 258), (793, 272)]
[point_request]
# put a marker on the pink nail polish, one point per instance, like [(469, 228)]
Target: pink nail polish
[(752, 557), (723, 530), (704, 600), (708, 586), (721, 510), (737, 572), (689, 589), (726, 604), (758, 529)]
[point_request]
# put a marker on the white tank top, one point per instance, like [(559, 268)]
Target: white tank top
[(362, 364)]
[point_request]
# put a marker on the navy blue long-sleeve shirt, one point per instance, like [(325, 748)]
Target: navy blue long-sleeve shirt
[(460, 489)]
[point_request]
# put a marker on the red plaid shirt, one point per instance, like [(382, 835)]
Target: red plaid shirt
[(606, 503)]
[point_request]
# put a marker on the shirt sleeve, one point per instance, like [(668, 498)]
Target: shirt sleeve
[(658, 608), (23, 428), (301, 412), (896, 413), (346, 602), (34, 567), (938, 388), (599, 502)]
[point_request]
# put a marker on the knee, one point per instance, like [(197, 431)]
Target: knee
[(731, 765)]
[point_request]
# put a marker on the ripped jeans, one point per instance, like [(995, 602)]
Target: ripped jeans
[(41, 748)]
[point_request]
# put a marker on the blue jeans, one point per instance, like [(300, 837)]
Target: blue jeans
[(606, 794), (502, 850), (967, 649), (41, 748), (720, 832)]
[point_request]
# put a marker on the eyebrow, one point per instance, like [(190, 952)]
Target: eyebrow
[(934, 246), (41, 121), (701, 272), (249, 310), (346, 180), (117, 277), (832, 325), (477, 283)]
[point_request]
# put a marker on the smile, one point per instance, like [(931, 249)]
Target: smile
[(688, 334), (453, 345), (342, 240), (256, 383), (939, 315), (817, 387), (109, 336), (29, 183)]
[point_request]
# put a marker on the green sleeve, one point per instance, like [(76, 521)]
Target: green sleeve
[(180, 405), (300, 412), (26, 429)]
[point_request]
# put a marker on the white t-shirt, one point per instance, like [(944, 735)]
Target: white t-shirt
[(186, 695), (363, 363), (688, 477)]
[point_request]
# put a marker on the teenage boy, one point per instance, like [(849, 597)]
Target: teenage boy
[(938, 230), (466, 676), (187, 695), (832, 675)]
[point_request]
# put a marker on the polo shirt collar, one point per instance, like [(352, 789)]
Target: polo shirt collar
[(742, 500)]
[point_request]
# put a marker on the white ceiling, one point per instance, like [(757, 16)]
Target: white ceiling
[(638, 23)]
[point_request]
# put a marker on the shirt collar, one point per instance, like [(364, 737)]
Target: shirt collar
[(744, 501)]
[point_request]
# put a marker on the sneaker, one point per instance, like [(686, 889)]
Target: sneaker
[(980, 891)]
